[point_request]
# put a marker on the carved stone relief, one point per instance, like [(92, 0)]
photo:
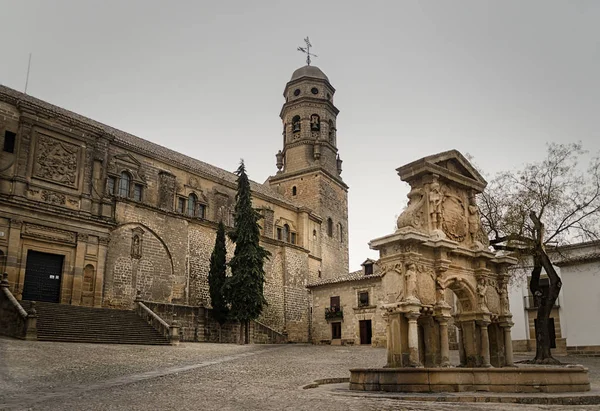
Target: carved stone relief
[(53, 198), (56, 161), (48, 233), (413, 214), (454, 223)]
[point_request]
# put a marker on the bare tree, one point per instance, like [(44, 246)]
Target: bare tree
[(531, 212)]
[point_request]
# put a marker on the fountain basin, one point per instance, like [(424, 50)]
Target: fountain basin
[(525, 379)]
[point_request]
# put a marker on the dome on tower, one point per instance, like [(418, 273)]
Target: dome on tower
[(309, 71)]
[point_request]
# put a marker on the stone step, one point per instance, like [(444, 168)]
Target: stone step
[(67, 323)]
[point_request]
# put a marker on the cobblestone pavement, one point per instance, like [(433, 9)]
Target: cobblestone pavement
[(55, 376)]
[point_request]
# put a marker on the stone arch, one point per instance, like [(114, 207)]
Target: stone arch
[(152, 272), (464, 292)]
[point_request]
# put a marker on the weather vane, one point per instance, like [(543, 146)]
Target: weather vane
[(307, 51)]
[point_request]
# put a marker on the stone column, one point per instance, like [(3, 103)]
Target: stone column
[(485, 343), (413, 339), (461, 345), (444, 344), (78, 269), (13, 261), (508, 350)]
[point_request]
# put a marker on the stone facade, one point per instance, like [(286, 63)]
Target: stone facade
[(119, 214)]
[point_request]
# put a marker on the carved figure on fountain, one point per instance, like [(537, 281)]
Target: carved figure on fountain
[(412, 216)]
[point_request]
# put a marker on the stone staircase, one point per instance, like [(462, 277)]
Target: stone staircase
[(69, 323)]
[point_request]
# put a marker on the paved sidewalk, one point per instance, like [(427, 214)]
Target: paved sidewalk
[(56, 376)]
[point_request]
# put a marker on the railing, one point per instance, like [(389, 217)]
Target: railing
[(14, 320), (170, 332), (334, 313), (275, 337), (531, 304)]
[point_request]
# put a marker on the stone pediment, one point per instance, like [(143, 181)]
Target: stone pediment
[(450, 165), (126, 158)]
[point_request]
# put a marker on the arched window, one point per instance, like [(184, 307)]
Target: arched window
[(124, 184), (294, 191), (296, 124), (191, 205), (315, 122), (286, 233), (331, 131), (330, 227), (341, 232), (314, 234)]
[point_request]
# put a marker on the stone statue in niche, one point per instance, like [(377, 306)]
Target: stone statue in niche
[(476, 234), (136, 246), (482, 293), (412, 216), (411, 282), (56, 161), (435, 204)]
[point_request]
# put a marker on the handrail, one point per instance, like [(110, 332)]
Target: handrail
[(15, 303), (153, 315), (170, 332), (270, 329), (16, 322)]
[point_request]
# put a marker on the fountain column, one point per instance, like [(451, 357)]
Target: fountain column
[(413, 339), (485, 343), (508, 350), (444, 344)]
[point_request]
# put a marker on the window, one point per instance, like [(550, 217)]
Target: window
[(334, 302), (341, 232), (137, 192), (180, 205), (331, 131), (191, 205), (315, 122), (368, 269), (286, 233), (330, 227), (279, 234), (111, 183), (124, 184), (294, 191), (314, 234), (293, 238), (201, 210), (336, 331), (363, 299), (296, 124), (9, 141)]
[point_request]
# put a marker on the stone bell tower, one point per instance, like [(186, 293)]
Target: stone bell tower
[(309, 166)]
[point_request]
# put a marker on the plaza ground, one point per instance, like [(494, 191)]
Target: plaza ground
[(55, 376)]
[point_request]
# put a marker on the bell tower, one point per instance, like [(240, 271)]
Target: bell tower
[(309, 166)]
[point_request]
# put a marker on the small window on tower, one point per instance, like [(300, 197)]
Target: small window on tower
[(9, 141), (296, 124), (315, 122), (294, 191), (331, 131), (330, 227)]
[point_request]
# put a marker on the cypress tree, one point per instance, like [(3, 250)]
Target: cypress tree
[(244, 289), (217, 278)]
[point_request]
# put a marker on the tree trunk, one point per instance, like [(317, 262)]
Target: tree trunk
[(220, 326), (543, 302), (242, 332)]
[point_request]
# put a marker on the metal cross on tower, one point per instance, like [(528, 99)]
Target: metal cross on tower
[(307, 51)]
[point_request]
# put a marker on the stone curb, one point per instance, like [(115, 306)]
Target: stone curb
[(589, 398)]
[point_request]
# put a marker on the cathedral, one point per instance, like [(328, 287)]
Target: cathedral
[(94, 216)]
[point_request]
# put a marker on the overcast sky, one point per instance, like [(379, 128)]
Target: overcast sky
[(495, 79)]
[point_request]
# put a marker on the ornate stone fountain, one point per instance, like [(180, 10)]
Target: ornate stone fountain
[(439, 270)]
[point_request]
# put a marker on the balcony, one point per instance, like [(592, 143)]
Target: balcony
[(334, 313), (530, 303)]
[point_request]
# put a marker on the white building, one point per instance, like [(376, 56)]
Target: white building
[(577, 309)]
